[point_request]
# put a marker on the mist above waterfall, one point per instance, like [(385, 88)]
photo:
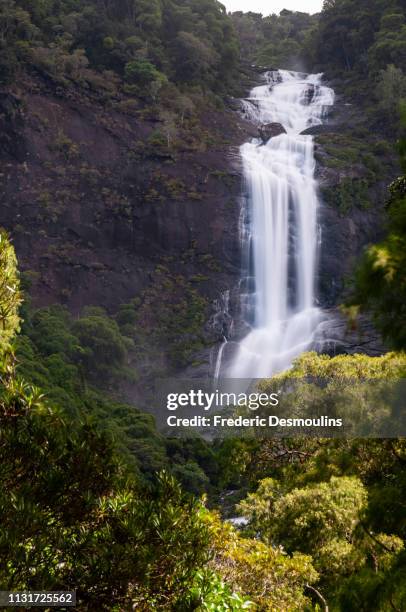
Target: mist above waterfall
[(280, 229)]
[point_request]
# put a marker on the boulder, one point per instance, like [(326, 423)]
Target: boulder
[(325, 128), (262, 69), (339, 336), (270, 130), (309, 94)]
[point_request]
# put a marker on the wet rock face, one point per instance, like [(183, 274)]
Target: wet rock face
[(353, 192), (343, 239), (275, 77), (309, 94), (270, 130), (342, 337), (93, 208), (316, 130)]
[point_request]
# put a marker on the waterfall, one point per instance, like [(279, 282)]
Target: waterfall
[(280, 232)]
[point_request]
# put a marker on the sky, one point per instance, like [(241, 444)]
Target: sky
[(266, 7)]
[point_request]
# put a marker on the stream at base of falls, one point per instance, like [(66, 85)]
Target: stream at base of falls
[(279, 228)]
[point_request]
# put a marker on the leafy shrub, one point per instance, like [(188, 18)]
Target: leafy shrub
[(10, 296), (271, 578)]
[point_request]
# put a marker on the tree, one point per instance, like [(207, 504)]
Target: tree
[(16, 31), (272, 579), (380, 283), (319, 520), (74, 517), (390, 90), (10, 296), (141, 72), (259, 509), (137, 40), (102, 346), (144, 78), (148, 15), (69, 520), (340, 500), (195, 60), (276, 41)]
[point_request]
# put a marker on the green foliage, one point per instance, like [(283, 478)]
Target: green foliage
[(144, 75), (92, 342), (143, 42), (211, 594), (348, 30), (102, 347), (363, 42), (391, 88), (74, 517), (169, 320), (272, 579), (16, 33), (381, 288), (195, 61), (69, 518), (324, 520), (380, 590), (10, 296), (141, 72), (320, 520), (258, 509), (275, 41), (192, 477), (285, 53), (381, 279), (76, 362), (350, 192), (341, 501)]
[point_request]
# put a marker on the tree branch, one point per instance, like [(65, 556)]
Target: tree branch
[(375, 539), (319, 595)]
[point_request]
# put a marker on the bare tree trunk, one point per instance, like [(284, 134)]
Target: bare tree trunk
[(319, 595)]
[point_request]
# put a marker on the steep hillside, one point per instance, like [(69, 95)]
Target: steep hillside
[(104, 204)]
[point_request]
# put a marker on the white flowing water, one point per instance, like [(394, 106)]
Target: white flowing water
[(282, 236)]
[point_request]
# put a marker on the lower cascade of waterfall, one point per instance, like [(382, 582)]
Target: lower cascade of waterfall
[(279, 229)]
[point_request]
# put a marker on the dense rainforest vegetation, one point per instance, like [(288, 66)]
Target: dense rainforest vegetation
[(93, 497), (143, 47), (360, 44), (275, 40)]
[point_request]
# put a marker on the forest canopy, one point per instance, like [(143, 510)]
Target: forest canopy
[(144, 43)]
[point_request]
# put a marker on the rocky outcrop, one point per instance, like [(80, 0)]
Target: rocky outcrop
[(324, 128), (338, 336), (94, 201), (353, 190), (261, 69), (309, 94), (270, 130)]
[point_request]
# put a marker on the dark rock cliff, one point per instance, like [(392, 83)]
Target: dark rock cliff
[(93, 203), (353, 168)]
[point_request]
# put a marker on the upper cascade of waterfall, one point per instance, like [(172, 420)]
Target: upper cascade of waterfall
[(295, 100), (280, 233)]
